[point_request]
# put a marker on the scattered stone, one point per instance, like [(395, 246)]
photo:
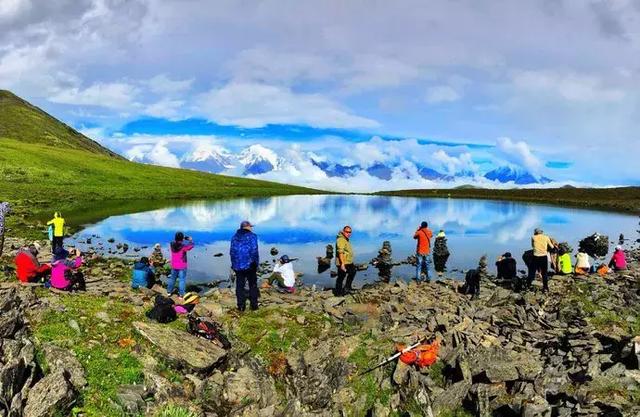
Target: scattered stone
[(52, 394)]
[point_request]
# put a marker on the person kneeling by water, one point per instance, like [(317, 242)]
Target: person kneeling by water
[(506, 266), (143, 274), (283, 274), (63, 276)]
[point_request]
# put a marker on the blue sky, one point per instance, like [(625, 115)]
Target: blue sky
[(550, 86)]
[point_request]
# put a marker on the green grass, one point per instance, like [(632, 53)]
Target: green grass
[(25, 122), (86, 187), (174, 410), (623, 199), (107, 365)]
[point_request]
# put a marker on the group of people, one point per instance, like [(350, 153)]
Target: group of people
[(546, 252), (245, 261)]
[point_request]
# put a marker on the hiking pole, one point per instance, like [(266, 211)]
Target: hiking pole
[(392, 357)]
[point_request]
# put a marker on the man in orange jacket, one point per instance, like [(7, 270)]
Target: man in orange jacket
[(423, 250)]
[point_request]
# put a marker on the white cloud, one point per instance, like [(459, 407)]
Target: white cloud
[(116, 96), (256, 105), (157, 154), (165, 108), (442, 94), (518, 153), (161, 84), (568, 86), (453, 164)]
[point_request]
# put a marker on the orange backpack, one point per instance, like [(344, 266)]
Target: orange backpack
[(422, 355)]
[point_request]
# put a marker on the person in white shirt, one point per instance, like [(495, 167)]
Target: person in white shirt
[(283, 274), (583, 266)]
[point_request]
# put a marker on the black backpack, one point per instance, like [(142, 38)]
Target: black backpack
[(162, 310), (207, 329)]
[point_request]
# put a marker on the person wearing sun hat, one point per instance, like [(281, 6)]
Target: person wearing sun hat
[(618, 261), (245, 260)]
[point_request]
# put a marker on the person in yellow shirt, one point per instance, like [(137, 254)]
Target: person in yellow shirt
[(344, 262), (58, 231), (540, 244)]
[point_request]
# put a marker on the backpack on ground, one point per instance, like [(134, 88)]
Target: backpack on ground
[(162, 310), (207, 329)]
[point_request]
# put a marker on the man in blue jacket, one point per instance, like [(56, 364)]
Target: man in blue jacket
[(244, 262)]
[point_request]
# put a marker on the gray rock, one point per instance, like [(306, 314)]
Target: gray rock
[(10, 322), (13, 375), (181, 348), (130, 399), (53, 393), (59, 359)]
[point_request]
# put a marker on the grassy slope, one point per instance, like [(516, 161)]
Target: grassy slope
[(624, 199), (22, 121), (38, 179)]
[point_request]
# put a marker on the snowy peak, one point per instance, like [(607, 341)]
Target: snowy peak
[(257, 159), (209, 159), (516, 175)]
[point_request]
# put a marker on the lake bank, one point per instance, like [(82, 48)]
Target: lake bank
[(619, 199), (568, 353)]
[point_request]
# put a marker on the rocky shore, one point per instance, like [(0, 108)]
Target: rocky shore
[(569, 353)]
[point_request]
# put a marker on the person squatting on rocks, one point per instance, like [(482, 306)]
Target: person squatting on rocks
[(179, 263), (540, 244), (423, 249), (245, 260), (58, 231), (5, 208), (583, 264), (143, 274), (344, 262), (506, 266), (440, 253), (474, 276), (565, 266), (283, 274), (28, 268), (618, 261), (63, 274)]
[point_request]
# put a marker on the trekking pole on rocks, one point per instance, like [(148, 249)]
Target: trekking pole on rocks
[(392, 357)]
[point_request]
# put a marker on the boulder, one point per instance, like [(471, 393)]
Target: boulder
[(131, 399), (61, 359), (181, 348), (52, 394), (10, 322)]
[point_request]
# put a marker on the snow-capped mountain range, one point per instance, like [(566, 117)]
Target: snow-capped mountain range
[(258, 160)]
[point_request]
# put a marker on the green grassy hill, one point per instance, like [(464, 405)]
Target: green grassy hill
[(20, 120)]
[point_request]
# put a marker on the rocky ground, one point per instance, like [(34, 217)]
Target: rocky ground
[(569, 353)]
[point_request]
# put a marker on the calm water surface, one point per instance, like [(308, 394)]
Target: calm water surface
[(301, 226)]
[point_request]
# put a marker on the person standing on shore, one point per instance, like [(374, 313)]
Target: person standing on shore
[(58, 231), (540, 244), (344, 262), (179, 263), (440, 253), (423, 250), (5, 208), (245, 260)]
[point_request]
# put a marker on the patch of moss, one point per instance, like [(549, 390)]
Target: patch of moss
[(174, 410)]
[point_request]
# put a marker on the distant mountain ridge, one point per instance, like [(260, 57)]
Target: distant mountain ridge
[(22, 121)]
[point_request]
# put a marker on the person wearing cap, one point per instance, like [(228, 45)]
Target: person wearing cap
[(440, 253), (541, 244), (5, 208), (283, 274), (179, 265), (244, 262), (506, 266), (344, 262), (28, 268), (143, 274), (618, 261), (63, 276), (58, 231), (423, 250)]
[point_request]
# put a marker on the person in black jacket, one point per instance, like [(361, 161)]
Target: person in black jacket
[(506, 267)]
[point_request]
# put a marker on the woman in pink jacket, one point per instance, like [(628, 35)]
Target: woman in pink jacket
[(63, 276), (179, 263), (618, 261)]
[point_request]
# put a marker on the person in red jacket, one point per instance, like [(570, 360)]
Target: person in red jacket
[(423, 250), (28, 268)]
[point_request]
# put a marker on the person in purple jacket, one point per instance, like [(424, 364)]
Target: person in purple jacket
[(179, 263)]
